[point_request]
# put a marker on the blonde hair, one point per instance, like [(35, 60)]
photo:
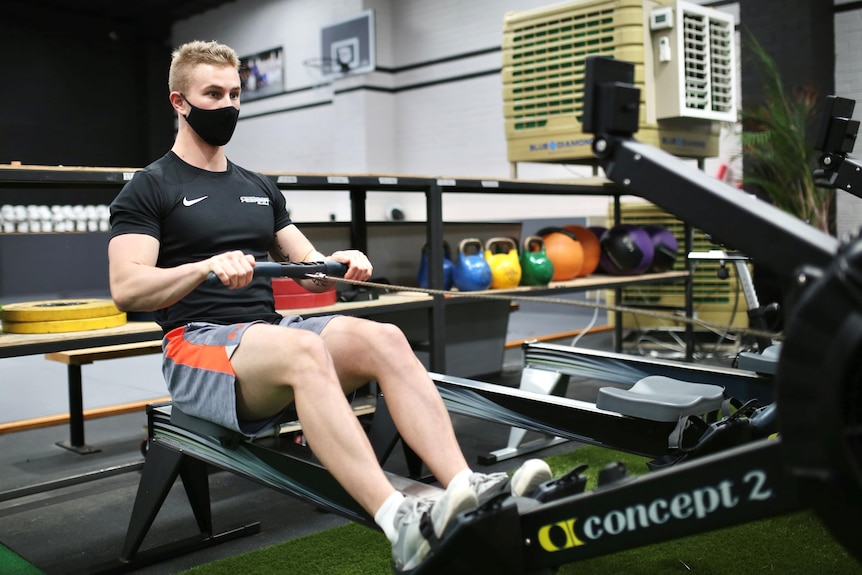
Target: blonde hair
[(188, 56)]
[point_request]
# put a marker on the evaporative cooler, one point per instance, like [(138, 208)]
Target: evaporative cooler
[(684, 57)]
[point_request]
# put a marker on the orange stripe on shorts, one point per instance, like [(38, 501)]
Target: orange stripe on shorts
[(209, 357)]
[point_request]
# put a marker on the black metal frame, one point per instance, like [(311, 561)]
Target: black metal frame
[(835, 138), (819, 452), (729, 488), (182, 446)]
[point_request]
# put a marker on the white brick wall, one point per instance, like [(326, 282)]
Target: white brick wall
[(428, 30), (450, 128), (848, 84)]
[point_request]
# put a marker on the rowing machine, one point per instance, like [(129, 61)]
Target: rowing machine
[(548, 367), (182, 445), (537, 533), (817, 460)]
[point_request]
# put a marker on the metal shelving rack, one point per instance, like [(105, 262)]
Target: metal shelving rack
[(21, 181)]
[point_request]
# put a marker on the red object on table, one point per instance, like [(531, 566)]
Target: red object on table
[(291, 295)]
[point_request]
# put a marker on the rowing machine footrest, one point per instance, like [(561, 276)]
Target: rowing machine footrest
[(660, 398), (485, 540), (572, 483)]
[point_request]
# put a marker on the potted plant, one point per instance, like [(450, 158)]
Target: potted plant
[(777, 147)]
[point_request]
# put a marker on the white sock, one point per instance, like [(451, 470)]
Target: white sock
[(385, 516), (462, 478)]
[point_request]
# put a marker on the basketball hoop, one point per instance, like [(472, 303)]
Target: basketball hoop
[(321, 73)]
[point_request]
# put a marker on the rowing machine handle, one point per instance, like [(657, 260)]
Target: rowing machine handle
[(295, 270)]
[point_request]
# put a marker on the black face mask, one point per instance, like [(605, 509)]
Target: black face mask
[(215, 127)]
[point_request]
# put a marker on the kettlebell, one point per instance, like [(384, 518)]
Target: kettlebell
[(537, 269), (471, 272), (422, 274), (502, 256)]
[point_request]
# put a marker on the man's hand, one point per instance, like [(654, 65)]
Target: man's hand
[(360, 267), (234, 269)]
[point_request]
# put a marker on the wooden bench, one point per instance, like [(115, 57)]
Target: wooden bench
[(74, 359)]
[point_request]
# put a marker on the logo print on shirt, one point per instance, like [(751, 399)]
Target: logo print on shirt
[(187, 202), (259, 200)]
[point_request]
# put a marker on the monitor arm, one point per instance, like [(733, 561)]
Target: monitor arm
[(835, 138), (770, 236)]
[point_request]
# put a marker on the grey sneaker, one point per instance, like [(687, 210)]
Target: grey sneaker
[(421, 523), (523, 483)]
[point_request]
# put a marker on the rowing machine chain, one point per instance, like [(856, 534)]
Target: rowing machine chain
[(539, 299)]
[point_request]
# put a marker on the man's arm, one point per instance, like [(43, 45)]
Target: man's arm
[(138, 285), (292, 245)]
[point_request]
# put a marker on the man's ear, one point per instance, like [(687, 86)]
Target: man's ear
[(177, 101)]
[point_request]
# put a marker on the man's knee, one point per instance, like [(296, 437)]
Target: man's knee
[(305, 344), (387, 336), (293, 351)]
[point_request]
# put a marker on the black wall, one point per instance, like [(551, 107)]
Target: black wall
[(82, 91), (799, 35)]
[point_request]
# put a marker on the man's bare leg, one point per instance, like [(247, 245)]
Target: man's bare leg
[(364, 350), (275, 366)]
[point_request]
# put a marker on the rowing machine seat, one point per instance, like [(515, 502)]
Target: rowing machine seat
[(660, 398), (765, 362), (227, 437)]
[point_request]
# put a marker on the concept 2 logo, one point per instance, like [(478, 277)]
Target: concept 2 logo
[(694, 505)]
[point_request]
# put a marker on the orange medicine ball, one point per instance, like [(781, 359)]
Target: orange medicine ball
[(565, 252), (592, 248)]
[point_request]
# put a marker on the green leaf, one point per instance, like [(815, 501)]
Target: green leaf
[(776, 144)]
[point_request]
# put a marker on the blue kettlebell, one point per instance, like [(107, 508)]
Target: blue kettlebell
[(422, 274), (471, 272)]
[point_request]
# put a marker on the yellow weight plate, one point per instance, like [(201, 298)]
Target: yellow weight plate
[(64, 325), (58, 309)]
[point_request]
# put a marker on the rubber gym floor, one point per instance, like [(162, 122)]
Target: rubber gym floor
[(75, 527)]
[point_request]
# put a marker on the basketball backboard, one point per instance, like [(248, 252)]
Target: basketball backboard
[(347, 47)]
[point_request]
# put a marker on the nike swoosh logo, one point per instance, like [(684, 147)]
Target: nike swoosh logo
[(187, 202)]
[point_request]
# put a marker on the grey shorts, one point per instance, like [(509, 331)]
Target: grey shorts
[(201, 381)]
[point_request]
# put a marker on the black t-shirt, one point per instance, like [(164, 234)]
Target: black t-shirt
[(196, 214)]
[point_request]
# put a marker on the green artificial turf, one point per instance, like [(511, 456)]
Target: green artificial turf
[(791, 544), (13, 564)]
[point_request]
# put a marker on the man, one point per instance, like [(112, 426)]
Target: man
[(230, 358)]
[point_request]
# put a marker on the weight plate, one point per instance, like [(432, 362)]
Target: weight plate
[(64, 325), (58, 309)]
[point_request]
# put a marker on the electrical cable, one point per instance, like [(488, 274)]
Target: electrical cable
[(592, 322)]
